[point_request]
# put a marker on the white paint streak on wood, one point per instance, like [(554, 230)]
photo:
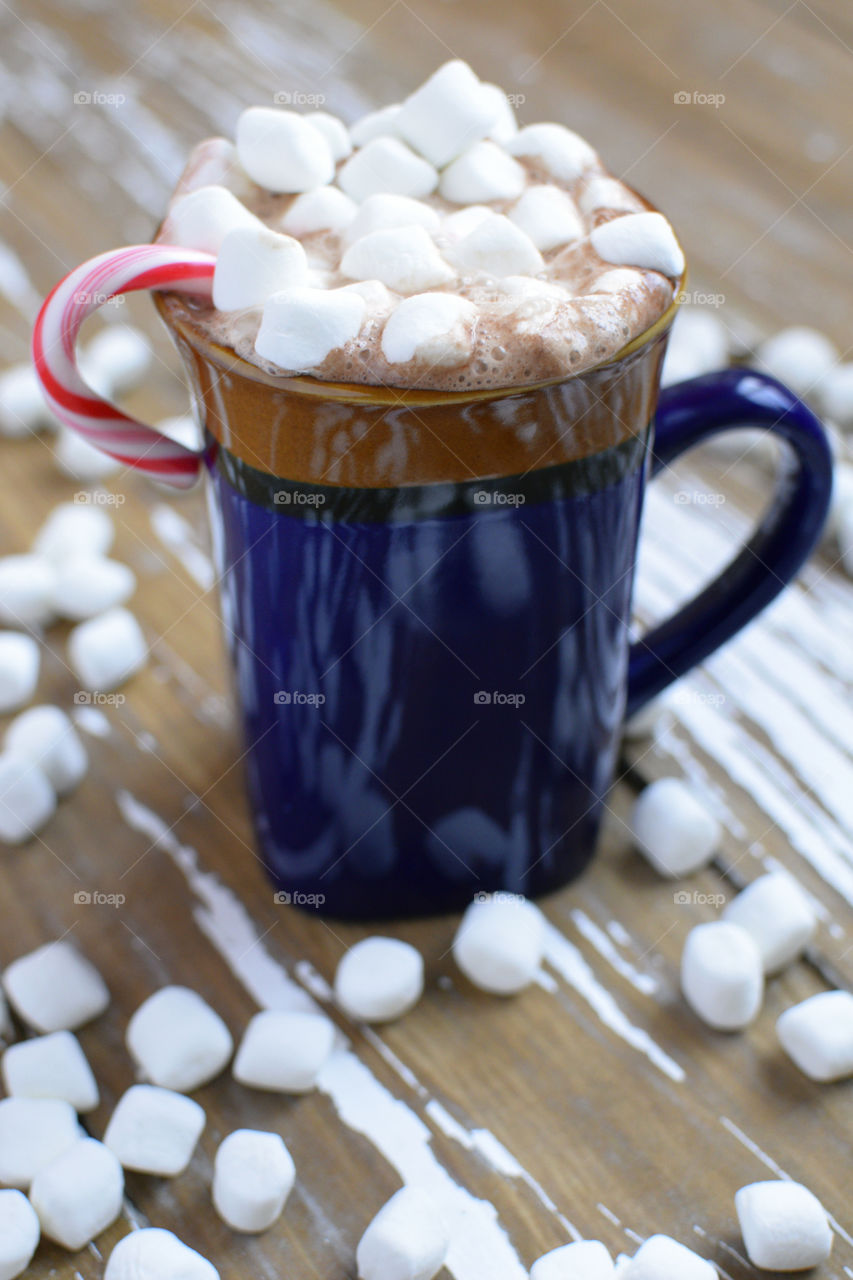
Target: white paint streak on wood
[(178, 536), (642, 982)]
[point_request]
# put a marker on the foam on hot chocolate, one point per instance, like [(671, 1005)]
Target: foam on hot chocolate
[(441, 248)]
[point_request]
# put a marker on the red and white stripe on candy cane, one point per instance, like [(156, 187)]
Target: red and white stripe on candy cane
[(129, 441)]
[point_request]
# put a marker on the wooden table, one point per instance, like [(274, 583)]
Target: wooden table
[(596, 1104)]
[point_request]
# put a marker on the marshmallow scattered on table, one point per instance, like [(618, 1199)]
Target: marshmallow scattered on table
[(253, 264), (154, 1130), (483, 172), (382, 211), (673, 829), (562, 153), (639, 240), (33, 1132), (116, 359), (154, 1254), (177, 1040), (698, 343), (107, 650), (662, 1258), (55, 988), (548, 216), (497, 247), (27, 800), (581, 1260), (253, 1174), (437, 328), (407, 1240), (778, 916), (379, 979), (80, 460), (333, 130), (449, 112), (26, 588), (283, 151), (22, 405), (323, 209), (301, 326), (817, 1034), (20, 659), (386, 164), (375, 124), (74, 529), (784, 1226), (202, 219), (500, 943), (79, 1194), (88, 585), (19, 1234), (284, 1051), (798, 356), (722, 976), (50, 1066), (836, 395)]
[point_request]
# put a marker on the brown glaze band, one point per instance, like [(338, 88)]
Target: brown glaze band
[(360, 436)]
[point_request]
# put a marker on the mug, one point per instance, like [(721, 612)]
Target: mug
[(427, 596)]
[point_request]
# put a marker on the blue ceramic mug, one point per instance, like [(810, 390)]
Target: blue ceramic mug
[(427, 599)]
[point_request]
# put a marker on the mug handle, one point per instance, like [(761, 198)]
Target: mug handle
[(84, 290), (687, 414)]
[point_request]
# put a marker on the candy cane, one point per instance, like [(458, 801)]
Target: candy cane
[(147, 266)]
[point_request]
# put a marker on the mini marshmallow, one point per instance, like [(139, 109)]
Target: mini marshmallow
[(436, 328), (618, 280), (798, 356), (561, 152), (449, 112), (382, 211), (497, 247), (323, 209), (51, 1066), (80, 460), (177, 1040), (55, 988), (253, 1174), (89, 585), (74, 529), (379, 979), (184, 428), (214, 162), (661, 1258), (483, 172), (407, 1240), (22, 405), (722, 977), (253, 264), (817, 1035), (202, 219), (375, 124), (581, 1260), (301, 326), (500, 943), (548, 216), (639, 240), (33, 1132), (79, 1194), (387, 165), (283, 1051), (403, 258), (698, 343), (20, 659), (154, 1130), (777, 915), (333, 130), (107, 650), (26, 586), (27, 800), (283, 151), (154, 1254), (836, 395), (504, 125), (673, 829), (601, 192), (784, 1226), (456, 226), (116, 359), (19, 1234)]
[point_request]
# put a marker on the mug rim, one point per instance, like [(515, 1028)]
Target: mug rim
[(408, 397)]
